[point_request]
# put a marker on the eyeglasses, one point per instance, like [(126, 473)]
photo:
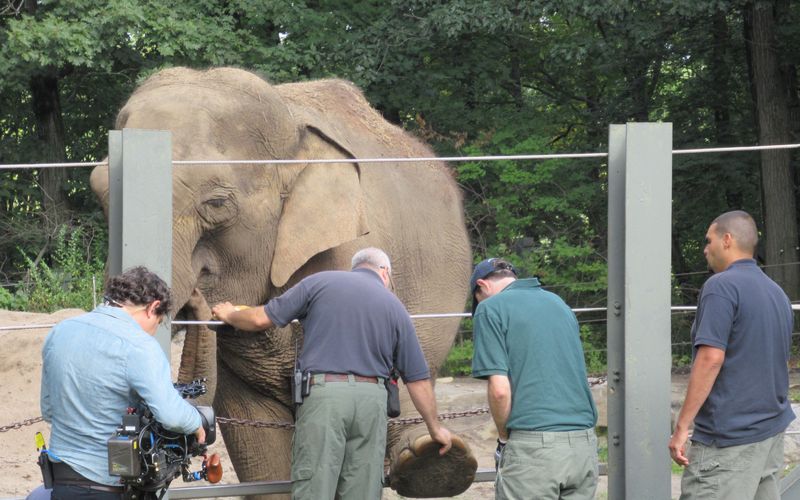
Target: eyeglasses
[(389, 274)]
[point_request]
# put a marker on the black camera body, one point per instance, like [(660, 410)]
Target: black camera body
[(147, 457)]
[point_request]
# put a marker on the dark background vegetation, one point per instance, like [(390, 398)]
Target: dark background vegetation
[(471, 77)]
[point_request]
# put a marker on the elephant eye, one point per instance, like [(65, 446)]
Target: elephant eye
[(218, 209), (217, 202)]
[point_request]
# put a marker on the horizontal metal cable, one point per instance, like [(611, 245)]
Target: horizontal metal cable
[(733, 149), (413, 316), (399, 160), (15, 166), (674, 309), (21, 166)]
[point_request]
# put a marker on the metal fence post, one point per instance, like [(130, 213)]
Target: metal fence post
[(639, 356), (140, 206)]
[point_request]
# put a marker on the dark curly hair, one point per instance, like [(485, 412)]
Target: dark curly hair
[(139, 286)]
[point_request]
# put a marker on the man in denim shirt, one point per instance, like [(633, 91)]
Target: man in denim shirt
[(97, 365)]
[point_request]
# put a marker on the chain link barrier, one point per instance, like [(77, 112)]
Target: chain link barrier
[(393, 422)]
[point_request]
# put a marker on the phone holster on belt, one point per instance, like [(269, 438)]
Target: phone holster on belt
[(47, 469), (392, 395)]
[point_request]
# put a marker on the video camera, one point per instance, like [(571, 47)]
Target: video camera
[(147, 457)]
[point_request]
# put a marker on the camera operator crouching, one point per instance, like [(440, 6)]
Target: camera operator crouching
[(95, 367)]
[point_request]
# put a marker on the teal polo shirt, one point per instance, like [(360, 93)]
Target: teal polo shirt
[(531, 336)]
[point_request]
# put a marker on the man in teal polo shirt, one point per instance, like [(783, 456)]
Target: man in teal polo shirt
[(528, 347)]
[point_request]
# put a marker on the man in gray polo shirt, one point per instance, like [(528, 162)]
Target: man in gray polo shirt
[(739, 384), (355, 331)]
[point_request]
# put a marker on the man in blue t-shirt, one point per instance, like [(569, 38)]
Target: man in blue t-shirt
[(355, 331), (528, 347), (739, 384)]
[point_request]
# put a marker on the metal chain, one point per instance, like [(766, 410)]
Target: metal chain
[(442, 416), (391, 422), (19, 425), (256, 423), (287, 425), (290, 425)]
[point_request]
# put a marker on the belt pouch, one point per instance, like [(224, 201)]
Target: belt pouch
[(392, 395), (47, 470)]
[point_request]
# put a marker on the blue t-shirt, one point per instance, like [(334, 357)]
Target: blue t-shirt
[(95, 366), (351, 324), (746, 314), (531, 336)]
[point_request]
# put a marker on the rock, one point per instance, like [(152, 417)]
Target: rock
[(600, 395)]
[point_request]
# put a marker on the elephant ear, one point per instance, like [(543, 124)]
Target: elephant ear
[(324, 209)]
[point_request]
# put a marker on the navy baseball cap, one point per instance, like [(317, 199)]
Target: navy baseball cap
[(484, 269)]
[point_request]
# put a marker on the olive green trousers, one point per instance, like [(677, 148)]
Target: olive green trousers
[(548, 466), (339, 442), (744, 472)]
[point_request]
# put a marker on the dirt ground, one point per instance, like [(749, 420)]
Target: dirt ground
[(20, 373)]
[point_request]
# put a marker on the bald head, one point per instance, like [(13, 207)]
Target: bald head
[(741, 227)]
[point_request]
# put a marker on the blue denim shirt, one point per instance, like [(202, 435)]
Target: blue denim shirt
[(95, 366)]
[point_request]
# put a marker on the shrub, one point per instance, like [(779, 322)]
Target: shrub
[(77, 258), (459, 360)]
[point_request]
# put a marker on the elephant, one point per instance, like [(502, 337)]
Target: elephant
[(247, 232)]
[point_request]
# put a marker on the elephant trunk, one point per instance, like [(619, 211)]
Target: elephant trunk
[(199, 357)]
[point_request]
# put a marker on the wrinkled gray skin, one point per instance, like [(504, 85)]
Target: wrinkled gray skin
[(245, 233)]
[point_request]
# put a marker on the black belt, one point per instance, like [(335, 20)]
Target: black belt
[(66, 475)]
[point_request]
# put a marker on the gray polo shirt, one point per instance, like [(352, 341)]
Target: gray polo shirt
[(352, 324), (746, 314)]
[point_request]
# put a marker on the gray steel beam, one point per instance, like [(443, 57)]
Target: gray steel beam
[(615, 324), (114, 202), (140, 206), (639, 220)]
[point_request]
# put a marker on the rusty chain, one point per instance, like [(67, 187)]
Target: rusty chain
[(19, 425), (256, 423), (290, 425), (392, 422)]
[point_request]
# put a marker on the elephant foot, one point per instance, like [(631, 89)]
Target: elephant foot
[(418, 471)]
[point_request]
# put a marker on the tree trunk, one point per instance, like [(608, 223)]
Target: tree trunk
[(721, 76), (50, 134), (772, 112)]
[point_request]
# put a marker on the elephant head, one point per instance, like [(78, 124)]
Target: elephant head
[(229, 215)]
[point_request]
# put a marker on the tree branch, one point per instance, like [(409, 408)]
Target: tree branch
[(12, 8)]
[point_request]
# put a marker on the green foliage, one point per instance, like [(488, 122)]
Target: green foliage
[(67, 282), (543, 213), (12, 301), (594, 350), (459, 360)]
